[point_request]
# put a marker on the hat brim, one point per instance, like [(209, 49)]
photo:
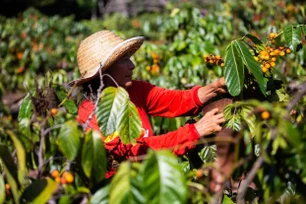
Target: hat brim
[(129, 46)]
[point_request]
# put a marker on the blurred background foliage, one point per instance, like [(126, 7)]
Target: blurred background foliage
[(34, 41)]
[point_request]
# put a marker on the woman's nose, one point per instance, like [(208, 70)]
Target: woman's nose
[(131, 65)]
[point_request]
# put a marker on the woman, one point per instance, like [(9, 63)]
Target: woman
[(105, 53)]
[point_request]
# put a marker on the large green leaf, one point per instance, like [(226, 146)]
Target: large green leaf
[(26, 108), (68, 103), (21, 155), (109, 107), (163, 180), (258, 43), (252, 65), (94, 156), (129, 123), (69, 139), (233, 70), (39, 191), (101, 196), (125, 186), (10, 170), (2, 190), (292, 35)]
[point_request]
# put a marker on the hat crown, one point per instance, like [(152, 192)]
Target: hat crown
[(96, 47)]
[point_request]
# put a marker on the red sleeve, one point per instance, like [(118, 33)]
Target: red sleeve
[(169, 103), (178, 141)]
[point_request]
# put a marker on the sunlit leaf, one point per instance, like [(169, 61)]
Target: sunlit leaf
[(227, 200), (129, 123), (39, 191), (101, 196), (2, 190), (94, 157), (109, 107), (27, 137), (125, 186), (233, 70), (292, 35), (68, 103), (252, 65), (258, 43), (21, 156), (69, 139), (26, 108), (10, 170), (163, 180)]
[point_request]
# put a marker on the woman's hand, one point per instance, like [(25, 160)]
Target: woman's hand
[(212, 90), (210, 122)]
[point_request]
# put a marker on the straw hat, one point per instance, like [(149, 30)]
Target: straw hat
[(102, 49)]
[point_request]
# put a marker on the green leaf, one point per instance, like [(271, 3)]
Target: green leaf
[(249, 118), (163, 180), (109, 107), (94, 156), (258, 43), (21, 155), (292, 35), (129, 123), (252, 65), (39, 191), (10, 170), (125, 186), (233, 70), (101, 196), (234, 122), (26, 108), (69, 139), (227, 200), (27, 137), (62, 96), (2, 190)]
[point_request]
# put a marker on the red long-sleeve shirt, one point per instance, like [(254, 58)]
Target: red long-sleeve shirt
[(155, 101)]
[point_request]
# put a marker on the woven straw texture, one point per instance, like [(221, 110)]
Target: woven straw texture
[(102, 48)]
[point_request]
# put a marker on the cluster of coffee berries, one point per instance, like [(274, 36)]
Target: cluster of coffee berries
[(154, 68), (213, 59), (65, 178), (267, 58)]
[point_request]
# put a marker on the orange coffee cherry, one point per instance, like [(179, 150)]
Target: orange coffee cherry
[(57, 179), (199, 173), (63, 180), (68, 177), (55, 173), (264, 69), (282, 53), (272, 35), (53, 111), (265, 115), (288, 50)]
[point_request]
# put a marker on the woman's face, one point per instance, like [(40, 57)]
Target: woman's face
[(121, 71)]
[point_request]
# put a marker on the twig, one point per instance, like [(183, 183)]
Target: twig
[(297, 97), (97, 99), (251, 175)]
